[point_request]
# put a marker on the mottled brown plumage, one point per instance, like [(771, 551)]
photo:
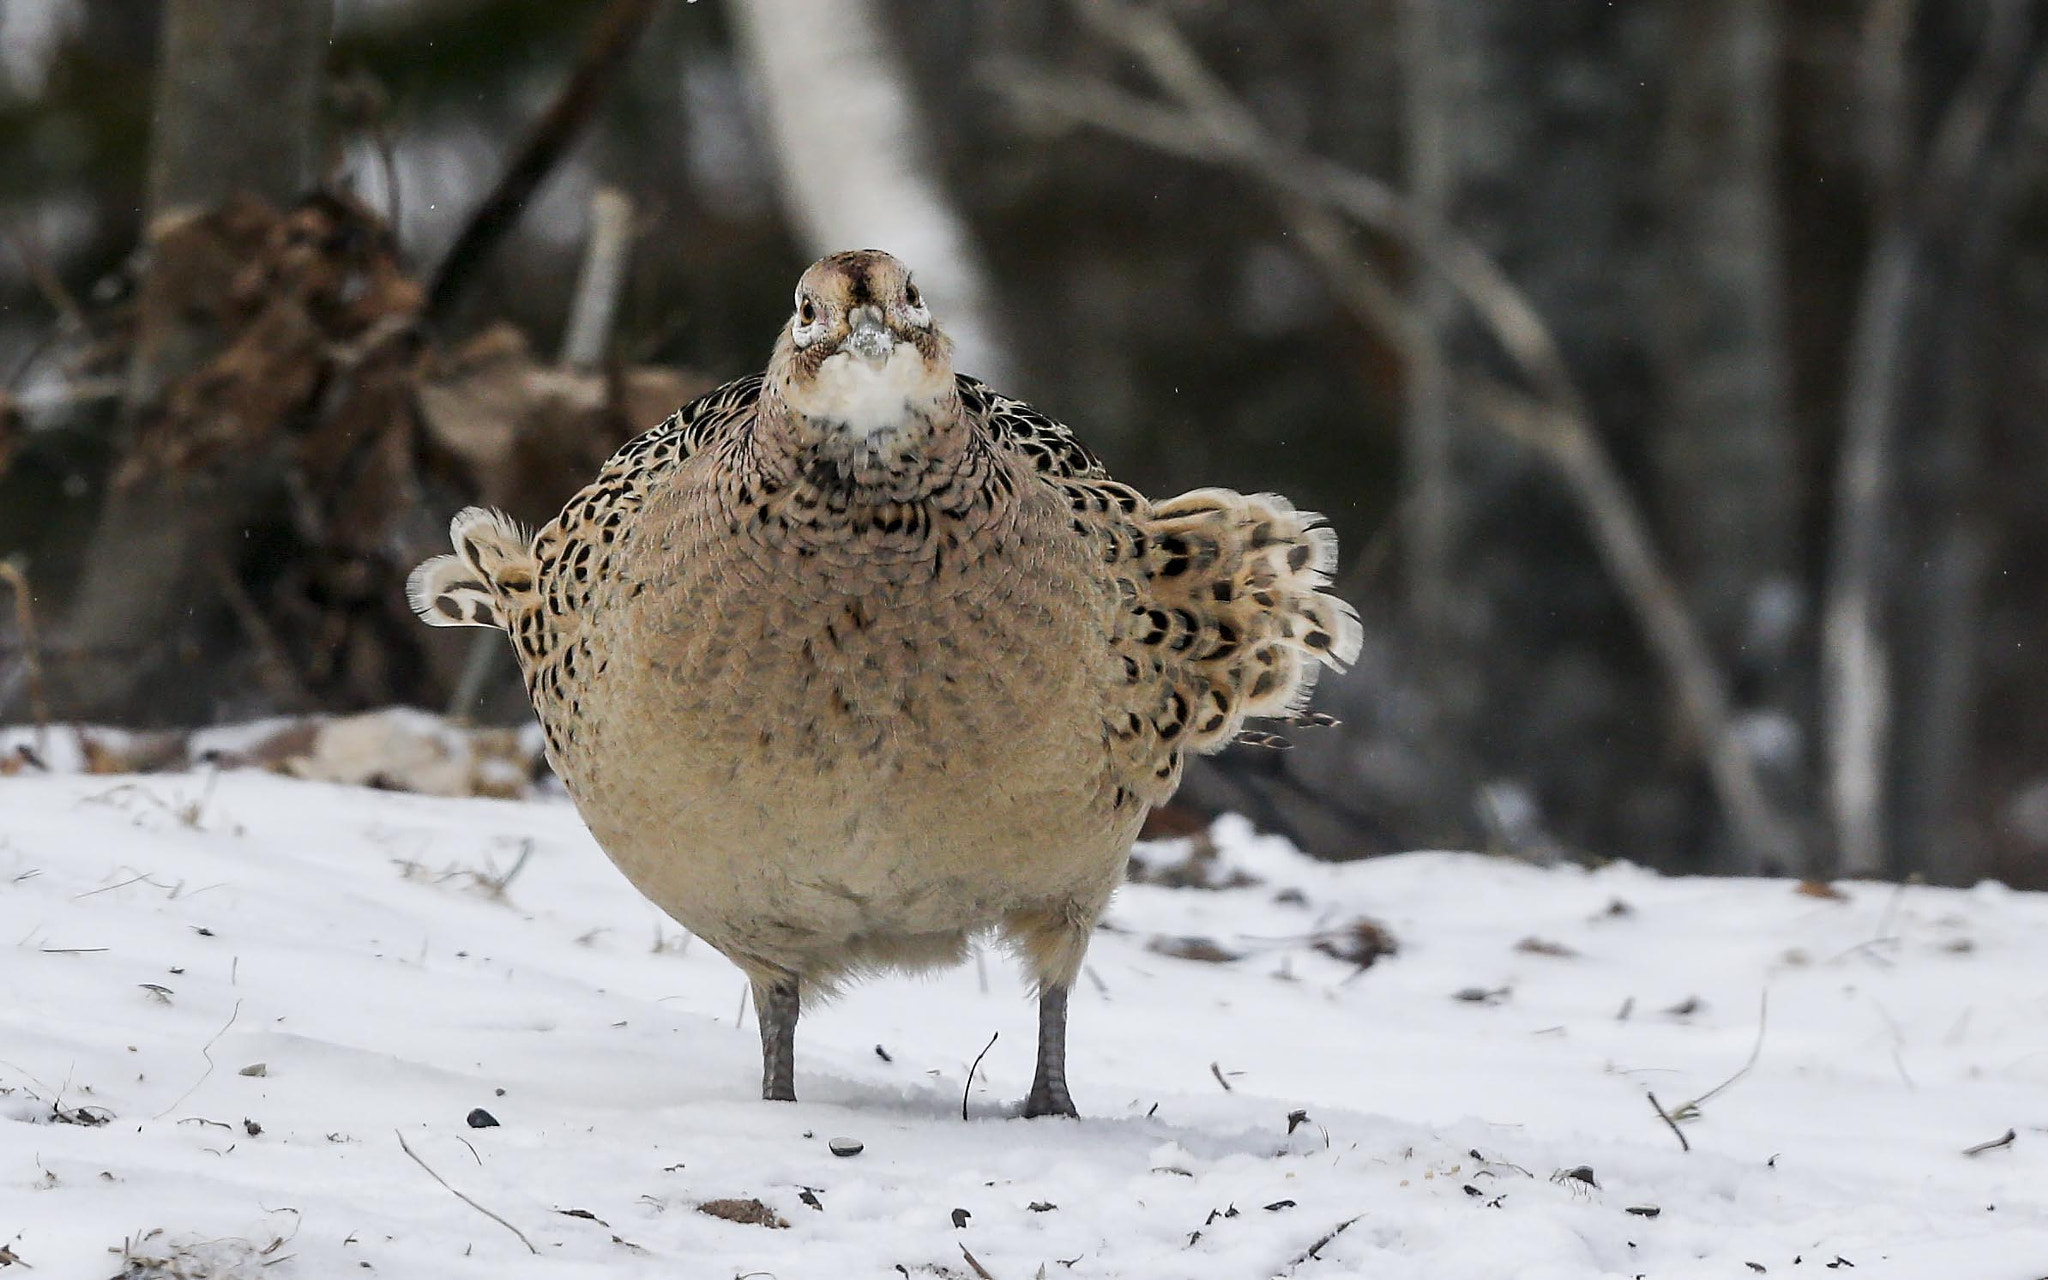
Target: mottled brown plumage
[(846, 662)]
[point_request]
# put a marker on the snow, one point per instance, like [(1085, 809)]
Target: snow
[(164, 933)]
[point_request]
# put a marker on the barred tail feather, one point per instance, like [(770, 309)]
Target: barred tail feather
[(491, 565), (1237, 583)]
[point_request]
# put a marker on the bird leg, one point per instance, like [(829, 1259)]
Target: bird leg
[(775, 1006), (1048, 1095)]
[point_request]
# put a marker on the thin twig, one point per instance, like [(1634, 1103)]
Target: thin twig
[(1315, 1250), (971, 1070), (119, 884), (70, 315), (407, 1148), (1688, 1109), (1891, 910), (1898, 1044), (1665, 1116), (975, 1263), (1217, 1071), (206, 1052), (274, 665), (2011, 1136)]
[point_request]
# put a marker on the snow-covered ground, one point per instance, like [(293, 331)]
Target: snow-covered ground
[(254, 989)]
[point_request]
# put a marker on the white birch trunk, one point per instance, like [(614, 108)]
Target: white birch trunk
[(856, 167)]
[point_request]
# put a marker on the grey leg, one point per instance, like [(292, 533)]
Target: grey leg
[(1049, 1085), (775, 1006)]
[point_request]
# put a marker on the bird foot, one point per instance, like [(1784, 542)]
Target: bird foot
[(1049, 1100)]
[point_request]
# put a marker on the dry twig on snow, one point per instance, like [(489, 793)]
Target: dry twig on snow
[(407, 1148)]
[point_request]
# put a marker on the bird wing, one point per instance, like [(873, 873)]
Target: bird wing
[(534, 588), (1051, 447), (1224, 614)]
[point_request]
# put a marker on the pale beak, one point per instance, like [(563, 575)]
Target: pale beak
[(870, 338)]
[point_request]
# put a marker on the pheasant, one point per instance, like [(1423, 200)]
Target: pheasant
[(851, 660)]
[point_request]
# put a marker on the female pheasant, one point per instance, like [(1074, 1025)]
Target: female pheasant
[(848, 661)]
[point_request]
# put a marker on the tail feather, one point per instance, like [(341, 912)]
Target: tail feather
[(491, 565), (1236, 590)]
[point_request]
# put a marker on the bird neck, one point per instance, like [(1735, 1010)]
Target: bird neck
[(910, 452)]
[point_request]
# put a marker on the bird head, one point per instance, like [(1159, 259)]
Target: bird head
[(860, 356)]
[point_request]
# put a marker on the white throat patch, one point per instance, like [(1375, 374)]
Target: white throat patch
[(869, 399)]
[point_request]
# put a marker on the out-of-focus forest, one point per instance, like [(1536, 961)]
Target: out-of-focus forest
[(1672, 372)]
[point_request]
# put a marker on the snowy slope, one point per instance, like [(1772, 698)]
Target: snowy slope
[(161, 934)]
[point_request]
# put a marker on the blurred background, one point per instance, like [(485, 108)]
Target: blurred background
[(1672, 372)]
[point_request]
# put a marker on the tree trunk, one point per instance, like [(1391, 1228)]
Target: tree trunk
[(1426, 499), (236, 96), (1925, 237), (856, 170), (237, 88), (1944, 546), (1428, 516)]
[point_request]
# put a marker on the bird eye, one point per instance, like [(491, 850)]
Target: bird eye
[(910, 295), (807, 312)]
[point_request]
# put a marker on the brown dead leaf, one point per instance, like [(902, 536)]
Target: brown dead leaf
[(748, 1212), (518, 424), (1201, 868), (134, 753), (1361, 942), (1820, 889), (1205, 950)]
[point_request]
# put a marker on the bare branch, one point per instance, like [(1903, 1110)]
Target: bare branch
[(1206, 123), (612, 38), (1622, 537), (596, 301)]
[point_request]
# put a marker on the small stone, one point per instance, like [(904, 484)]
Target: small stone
[(846, 1147), (481, 1119), (960, 1217), (256, 1069)]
